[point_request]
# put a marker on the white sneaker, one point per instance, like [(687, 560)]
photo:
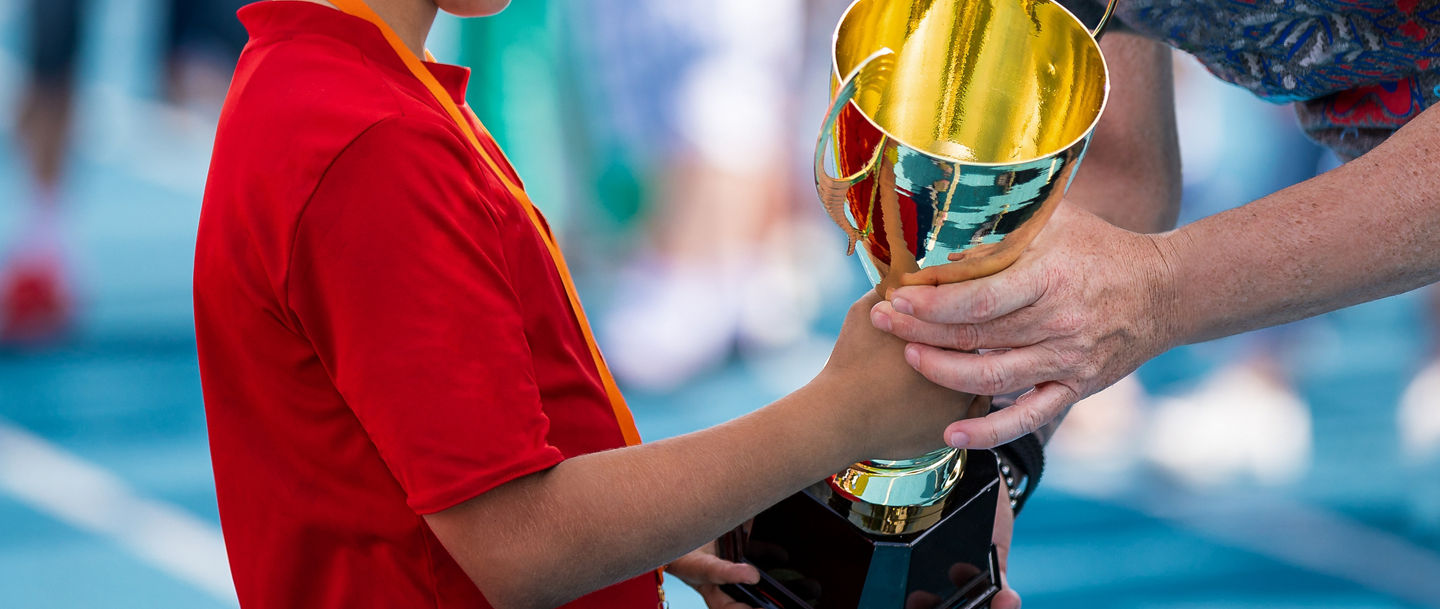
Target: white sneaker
[(669, 324), (1418, 423), (1419, 416), (1237, 425), (783, 292), (1096, 447), (1101, 428)]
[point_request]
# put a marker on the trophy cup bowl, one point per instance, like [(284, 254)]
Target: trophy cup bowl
[(954, 131)]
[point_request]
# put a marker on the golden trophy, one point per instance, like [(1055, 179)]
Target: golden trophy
[(955, 128)]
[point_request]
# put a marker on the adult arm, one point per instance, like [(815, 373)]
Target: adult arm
[(1090, 302), (1131, 172)]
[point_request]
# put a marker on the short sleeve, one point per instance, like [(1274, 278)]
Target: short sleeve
[(398, 278)]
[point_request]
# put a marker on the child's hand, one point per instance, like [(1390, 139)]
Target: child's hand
[(888, 410)]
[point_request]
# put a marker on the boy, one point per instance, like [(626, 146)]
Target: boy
[(405, 407)]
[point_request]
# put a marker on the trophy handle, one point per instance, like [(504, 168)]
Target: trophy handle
[(1104, 19), (833, 189)]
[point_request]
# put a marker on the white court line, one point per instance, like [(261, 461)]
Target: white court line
[(80, 494), (1291, 532)]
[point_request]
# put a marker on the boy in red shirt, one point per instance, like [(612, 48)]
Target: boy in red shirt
[(405, 406)]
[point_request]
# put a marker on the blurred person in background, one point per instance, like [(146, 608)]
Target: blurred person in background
[(34, 295), (703, 101), (535, 118), (1418, 421), (1090, 300), (201, 41)]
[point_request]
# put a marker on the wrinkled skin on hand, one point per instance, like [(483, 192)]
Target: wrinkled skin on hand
[(1086, 304)]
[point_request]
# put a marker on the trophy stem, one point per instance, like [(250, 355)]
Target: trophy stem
[(930, 458), (901, 496)]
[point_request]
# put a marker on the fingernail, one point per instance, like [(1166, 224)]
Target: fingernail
[(903, 306), (880, 320), (959, 439), (912, 354)]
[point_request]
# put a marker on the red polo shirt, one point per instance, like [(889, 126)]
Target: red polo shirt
[(381, 331)]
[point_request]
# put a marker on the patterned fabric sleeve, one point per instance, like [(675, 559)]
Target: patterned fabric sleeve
[(1090, 11), (1356, 70)]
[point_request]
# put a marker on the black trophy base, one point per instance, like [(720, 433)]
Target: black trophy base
[(811, 555)]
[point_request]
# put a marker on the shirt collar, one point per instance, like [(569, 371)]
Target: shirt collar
[(272, 19)]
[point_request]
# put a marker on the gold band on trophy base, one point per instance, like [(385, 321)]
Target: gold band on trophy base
[(904, 497)]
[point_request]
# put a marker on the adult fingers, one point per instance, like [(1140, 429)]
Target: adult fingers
[(987, 373), (1030, 412), (970, 302), (1007, 332)]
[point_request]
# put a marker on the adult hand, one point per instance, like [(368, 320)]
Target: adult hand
[(706, 572), (1086, 304)]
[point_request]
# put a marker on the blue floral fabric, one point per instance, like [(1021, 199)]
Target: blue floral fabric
[(1356, 70)]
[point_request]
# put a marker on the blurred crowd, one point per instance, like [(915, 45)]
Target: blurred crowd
[(670, 143)]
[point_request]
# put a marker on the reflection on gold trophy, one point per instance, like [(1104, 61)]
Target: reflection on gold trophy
[(955, 128)]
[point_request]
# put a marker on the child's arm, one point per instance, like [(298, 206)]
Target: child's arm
[(597, 519), (417, 292)]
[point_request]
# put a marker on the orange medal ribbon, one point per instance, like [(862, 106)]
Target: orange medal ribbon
[(459, 114)]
